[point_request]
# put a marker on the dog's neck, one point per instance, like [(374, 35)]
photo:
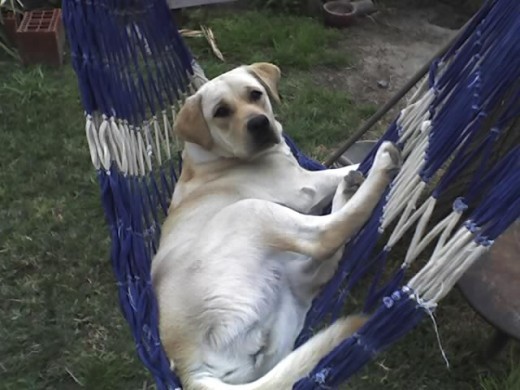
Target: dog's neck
[(198, 155), (200, 161)]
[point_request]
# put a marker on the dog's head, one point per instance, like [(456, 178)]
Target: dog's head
[(232, 115)]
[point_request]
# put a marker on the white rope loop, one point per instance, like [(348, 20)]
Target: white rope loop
[(158, 139), (407, 218), (104, 149), (144, 148), (199, 78), (167, 129), (139, 147), (134, 149), (94, 145), (131, 148), (450, 259)]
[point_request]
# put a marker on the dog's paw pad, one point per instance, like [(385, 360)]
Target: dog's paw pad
[(353, 181), (388, 158)]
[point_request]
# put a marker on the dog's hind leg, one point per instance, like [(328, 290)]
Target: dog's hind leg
[(313, 274), (320, 237), (270, 228)]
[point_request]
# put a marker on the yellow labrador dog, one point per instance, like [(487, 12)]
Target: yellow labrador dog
[(242, 254)]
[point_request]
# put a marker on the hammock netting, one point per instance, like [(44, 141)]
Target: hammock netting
[(458, 189)]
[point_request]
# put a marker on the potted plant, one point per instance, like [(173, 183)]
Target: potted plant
[(10, 18)]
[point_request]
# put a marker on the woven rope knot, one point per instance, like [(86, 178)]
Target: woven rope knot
[(321, 377), (459, 205), (471, 226), (396, 295), (484, 241), (362, 342), (388, 302)]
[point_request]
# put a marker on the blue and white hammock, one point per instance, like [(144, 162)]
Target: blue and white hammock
[(458, 190)]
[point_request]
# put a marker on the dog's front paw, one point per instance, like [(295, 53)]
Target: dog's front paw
[(388, 159), (352, 182)]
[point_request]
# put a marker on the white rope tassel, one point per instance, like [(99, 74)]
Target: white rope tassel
[(452, 276), (140, 150), (413, 124), (104, 150), (112, 143), (429, 307), (132, 150), (446, 267), (412, 165), (167, 129), (447, 279), (436, 261), (413, 116), (402, 195), (148, 139), (446, 225), (404, 190), (444, 245), (442, 266), (157, 133), (117, 146), (145, 149), (421, 90), (412, 144), (419, 144), (124, 141), (177, 144), (405, 221), (94, 145), (199, 78)]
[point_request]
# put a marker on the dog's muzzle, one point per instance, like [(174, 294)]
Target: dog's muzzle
[(262, 133)]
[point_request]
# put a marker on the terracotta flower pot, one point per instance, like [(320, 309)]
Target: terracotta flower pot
[(338, 13), (343, 13), (41, 38)]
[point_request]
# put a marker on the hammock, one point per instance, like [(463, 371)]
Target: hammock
[(458, 190)]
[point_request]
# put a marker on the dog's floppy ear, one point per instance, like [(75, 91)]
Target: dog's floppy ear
[(190, 124), (269, 75)]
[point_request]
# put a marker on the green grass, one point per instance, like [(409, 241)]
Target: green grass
[(510, 381), (316, 117), (290, 42), (59, 311), (60, 324)]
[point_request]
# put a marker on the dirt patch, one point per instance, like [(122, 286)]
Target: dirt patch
[(389, 47)]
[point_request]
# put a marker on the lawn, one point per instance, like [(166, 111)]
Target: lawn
[(60, 324)]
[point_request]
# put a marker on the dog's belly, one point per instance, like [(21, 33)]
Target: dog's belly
[(286, 325), (260, 346)]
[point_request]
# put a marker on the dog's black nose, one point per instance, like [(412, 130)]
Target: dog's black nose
[(257, 124)]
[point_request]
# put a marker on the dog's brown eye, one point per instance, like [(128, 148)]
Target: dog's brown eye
[(222, 112), (255, 95)]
